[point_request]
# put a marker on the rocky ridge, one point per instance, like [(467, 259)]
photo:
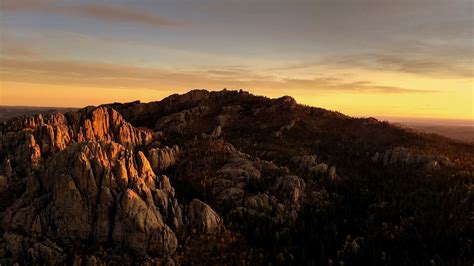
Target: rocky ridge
[(256, 179)]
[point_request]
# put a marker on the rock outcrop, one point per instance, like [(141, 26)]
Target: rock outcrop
[(7, 169), (5, 175), (3, 183), (285, 128), (163, 158), (109, 185), (308, 164), (289, 188), (177, 122), (402, 156), (29, 140), (216, 132), (231, 180), (202, 219), (96, 191), (250, 189)]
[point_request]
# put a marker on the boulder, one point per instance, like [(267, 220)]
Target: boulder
[(140, 227), (202, 219), (216, 132)]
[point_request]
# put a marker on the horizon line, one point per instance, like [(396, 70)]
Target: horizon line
[(392, 119)]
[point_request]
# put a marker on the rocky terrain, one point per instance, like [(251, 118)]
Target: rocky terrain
[(7, 112), (230, 178)]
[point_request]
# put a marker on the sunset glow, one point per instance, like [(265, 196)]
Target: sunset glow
[(407, 58)]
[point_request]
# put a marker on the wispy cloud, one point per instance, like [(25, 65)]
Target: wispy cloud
[(13, 48), (25, 4), (339, 85), (432, 67), (121, 76), (104, 12), (116, 14), (433, 58)]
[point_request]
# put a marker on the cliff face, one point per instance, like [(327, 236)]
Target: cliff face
[(232, 176), (97, 192), (29, 140)]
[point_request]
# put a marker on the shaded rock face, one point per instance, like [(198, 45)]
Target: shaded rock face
[(216, 132), (202, 219), (22, 148), (3, 183), (289, 188), (246, 188), (163, 158), (41, 252), (98, 191), (285, 103), (7, 168), (286, 127), (167, 202), (402, 156), (308, 164), (232, 179), (193, 96), (177, 122), (5, 175)]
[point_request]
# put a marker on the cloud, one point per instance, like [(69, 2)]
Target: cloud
[(70, 73), (434, 59), (431, 67), (13, 48), (116, 14), (337, 85), (104, 12), (16, 5)]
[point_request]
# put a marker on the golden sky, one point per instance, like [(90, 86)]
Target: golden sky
[(362, 58)]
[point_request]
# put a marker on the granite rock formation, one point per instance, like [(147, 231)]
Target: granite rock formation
[(229, 178)]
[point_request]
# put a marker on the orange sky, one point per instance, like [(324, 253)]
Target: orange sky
[(369, 58)]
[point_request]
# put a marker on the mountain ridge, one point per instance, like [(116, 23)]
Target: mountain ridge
[(231, 172)]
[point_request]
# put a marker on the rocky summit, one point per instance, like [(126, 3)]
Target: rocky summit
[(230, 178)]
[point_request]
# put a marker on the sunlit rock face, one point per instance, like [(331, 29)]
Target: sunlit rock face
[(29, 140)]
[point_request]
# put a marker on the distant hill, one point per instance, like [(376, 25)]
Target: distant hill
[(7, 112), (462, 133), (230, 178), (462, 130)]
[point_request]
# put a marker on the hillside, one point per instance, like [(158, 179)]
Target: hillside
[(228, 177)]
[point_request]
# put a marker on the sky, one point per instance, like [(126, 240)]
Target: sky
[(392, 58)]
